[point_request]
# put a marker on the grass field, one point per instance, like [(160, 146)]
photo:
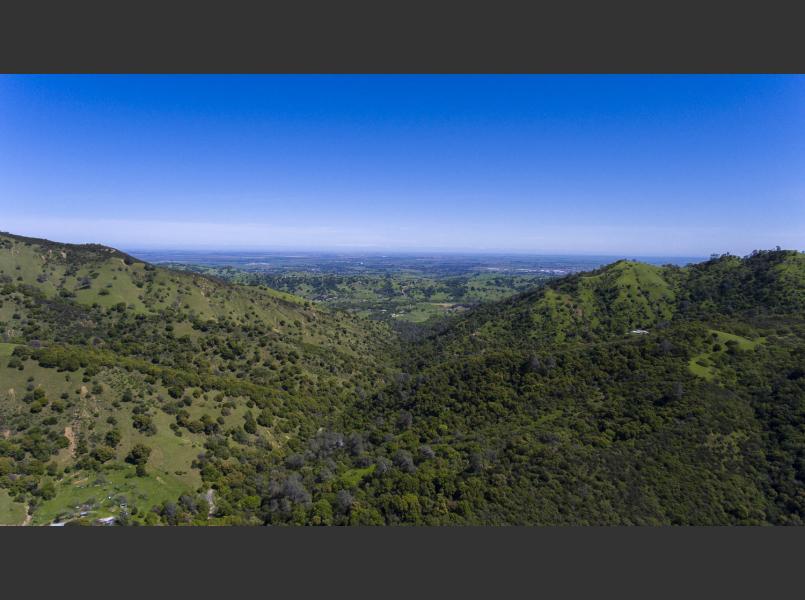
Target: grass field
[(11, 513), (101, 494), (168, 467), (353, 477), (702, 365)]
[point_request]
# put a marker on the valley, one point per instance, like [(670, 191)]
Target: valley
[(405, 390), (400, 289)]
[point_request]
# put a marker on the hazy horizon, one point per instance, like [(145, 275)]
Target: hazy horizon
[(347, 250), (200, 247), (358, 252), (588, 165)]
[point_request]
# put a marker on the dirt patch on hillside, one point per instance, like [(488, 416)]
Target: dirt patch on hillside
[(210, 496), (84, 391), (70, 435)]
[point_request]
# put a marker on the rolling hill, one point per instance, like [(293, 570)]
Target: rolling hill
[(628, 395), (102, 352), (633, 394)]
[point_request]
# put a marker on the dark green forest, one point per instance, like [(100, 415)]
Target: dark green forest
[(629, 395)]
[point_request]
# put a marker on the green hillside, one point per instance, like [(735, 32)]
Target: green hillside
[(549, 409), (632, 394), (101, 352)]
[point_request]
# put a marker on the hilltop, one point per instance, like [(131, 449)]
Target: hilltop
[(631, 394), (628, 295)]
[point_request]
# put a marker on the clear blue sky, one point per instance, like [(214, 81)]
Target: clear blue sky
[(644, 165)]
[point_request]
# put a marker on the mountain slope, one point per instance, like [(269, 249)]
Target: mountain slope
[(101, 352), (632, 394), (546, 409)]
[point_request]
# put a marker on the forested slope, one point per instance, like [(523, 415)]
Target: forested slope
[(547, 409), (633, 394), (101, 353)]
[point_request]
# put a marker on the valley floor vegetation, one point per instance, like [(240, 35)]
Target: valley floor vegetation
[(632, 394), (399, 296)]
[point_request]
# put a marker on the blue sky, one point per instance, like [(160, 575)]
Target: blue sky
[(644, 165)]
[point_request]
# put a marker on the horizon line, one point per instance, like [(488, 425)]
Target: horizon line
[(379, 250)]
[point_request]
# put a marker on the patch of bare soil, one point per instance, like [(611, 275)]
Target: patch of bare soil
[(28, 516), (70, 435), (210, 496)]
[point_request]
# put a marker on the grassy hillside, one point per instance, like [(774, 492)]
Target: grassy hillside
[(625, 296), (100, 352)]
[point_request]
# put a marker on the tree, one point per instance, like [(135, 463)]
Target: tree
[(249, 424), (322, 513), (144, 423), (103, 454), (139, 454), (295, 462), (404, 420), (343, 501), (294, 490), (112, 438), (404, 460)]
